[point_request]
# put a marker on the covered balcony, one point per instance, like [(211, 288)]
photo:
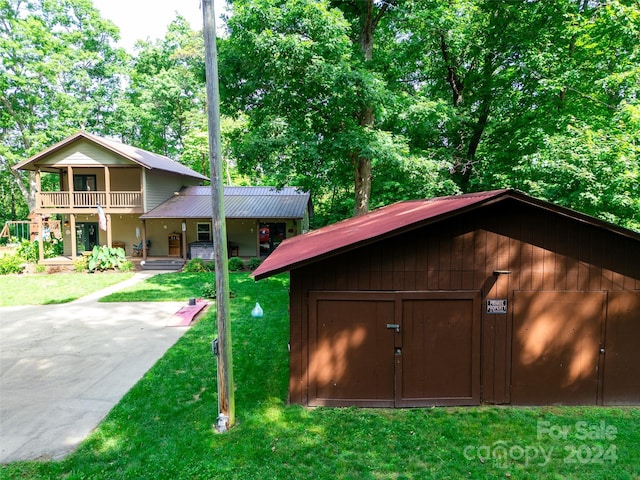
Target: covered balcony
[(65, 202)]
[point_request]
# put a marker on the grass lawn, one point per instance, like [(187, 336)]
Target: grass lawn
[(162, 428), (164, 288), (46, 289)]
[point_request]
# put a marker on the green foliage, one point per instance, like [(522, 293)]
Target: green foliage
[(29, 250), (12, 263), (163, 107), (235, 264), (105, 258), (199, 265), (59, 73), (208, 290), (126, 266), (81, 264), (253, 263), (465, 95)]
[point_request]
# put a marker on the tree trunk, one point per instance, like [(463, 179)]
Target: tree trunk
[(454, 81), (362, 164)]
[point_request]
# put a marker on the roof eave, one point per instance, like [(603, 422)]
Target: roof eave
[(30, 162), (390, 234), (497, 197), (23, 165)]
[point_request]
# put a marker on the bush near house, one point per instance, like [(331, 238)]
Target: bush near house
[(12, 263), (29, 250), (106, 258), (236, 264), (253, 263), (196, 265)]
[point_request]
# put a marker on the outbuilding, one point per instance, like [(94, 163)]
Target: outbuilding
[(493, 297)]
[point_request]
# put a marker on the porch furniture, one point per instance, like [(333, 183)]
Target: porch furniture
[(137, 249)]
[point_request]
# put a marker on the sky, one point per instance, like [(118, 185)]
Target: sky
[(142, 19)]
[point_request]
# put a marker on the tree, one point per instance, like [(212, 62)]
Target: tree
[(164, 101), (309, 98), (519, 94), (59, 73)]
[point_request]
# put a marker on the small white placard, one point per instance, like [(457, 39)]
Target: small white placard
[(497, 305)]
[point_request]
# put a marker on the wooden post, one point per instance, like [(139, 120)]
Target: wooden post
[(107, 187), (70, 187), (144, 240), (74, 239), (40, 240), (109, 235), (184, 239), (226, 402)]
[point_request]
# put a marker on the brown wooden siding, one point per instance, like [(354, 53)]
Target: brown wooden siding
[(543, 251)]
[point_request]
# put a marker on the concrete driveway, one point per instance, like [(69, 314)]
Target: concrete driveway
[(63, 367)]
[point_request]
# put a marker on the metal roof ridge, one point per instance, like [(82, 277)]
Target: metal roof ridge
[(481, 194)]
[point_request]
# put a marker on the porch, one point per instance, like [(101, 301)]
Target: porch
[(64, 263)]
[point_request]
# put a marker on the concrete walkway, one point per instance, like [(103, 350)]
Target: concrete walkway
[(63, 367)]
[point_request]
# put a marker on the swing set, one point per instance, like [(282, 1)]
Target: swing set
[(16, 230)]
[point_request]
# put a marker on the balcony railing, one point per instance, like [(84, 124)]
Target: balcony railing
[(60, 200)]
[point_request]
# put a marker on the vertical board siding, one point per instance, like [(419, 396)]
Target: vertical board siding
[(543, 252)]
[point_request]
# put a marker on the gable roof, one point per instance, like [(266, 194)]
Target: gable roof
[(144, 158), (394, 220), (239, 202)]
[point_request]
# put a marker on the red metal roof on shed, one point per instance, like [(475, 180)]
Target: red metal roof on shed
[(356, 231), (395, 219)]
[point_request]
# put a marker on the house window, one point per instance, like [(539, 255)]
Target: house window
[(83, 183), (204, 232)]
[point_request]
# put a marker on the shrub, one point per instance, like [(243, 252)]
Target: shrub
[(3, 241), (197, 265), (253, 263), (208, 290), (105, 258), (29, 250), (126, 266), (11, 264), (236, 264), (194, 265), (81, 264)]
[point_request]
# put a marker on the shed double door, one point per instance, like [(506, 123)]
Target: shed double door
[(394, 349), (576, 348)]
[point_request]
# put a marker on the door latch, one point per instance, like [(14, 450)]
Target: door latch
[(394, 326)]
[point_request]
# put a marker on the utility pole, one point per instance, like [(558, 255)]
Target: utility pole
[(222, 345)]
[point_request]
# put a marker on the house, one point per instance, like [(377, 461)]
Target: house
[(258, 219), (493, 297), (115, 194)]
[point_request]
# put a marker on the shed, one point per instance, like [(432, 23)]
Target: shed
[(493, 297)]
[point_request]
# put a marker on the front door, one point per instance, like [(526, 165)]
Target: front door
[(388, 349), (86, 236)]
